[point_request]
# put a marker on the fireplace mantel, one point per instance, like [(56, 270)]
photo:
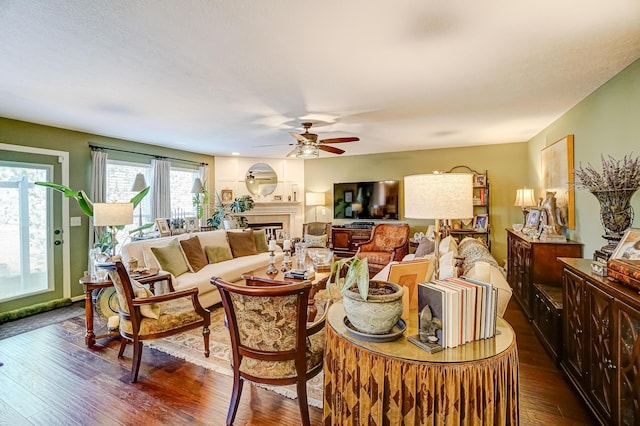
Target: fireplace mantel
[(287, 212)]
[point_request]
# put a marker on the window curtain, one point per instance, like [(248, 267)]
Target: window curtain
[(160, 188), (98, 191)]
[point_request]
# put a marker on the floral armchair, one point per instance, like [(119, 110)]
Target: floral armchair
[(271, 340), (388, 242)]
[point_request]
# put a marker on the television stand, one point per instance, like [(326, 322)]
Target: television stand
[(360, 225), (346, 239)]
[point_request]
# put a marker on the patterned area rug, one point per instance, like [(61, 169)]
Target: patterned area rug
[(189, 346)]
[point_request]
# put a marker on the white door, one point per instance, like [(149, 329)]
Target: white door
[(31, 232)]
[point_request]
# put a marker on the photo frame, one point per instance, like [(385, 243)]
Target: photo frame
[(348, 211), (629, 246), (557, 176), (191, 223), (348, 196), (163, 227), (481, 222), (533, 218), (277, 198), (479, 180), (226, 195)]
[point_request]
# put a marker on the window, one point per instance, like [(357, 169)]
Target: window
[(181, 196)]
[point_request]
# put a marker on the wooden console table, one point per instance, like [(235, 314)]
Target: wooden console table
[(89, 285), (398, 383)]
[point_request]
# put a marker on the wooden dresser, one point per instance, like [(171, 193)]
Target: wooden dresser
[(345, 240), (601, 343)]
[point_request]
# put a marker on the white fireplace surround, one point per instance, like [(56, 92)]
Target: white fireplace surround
[(288, 213)]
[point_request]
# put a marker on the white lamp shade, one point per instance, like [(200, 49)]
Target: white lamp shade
[(315, 198), (307, 151), (139, 183), (197, 187), (112, 214), (438, 196), (525, 198)]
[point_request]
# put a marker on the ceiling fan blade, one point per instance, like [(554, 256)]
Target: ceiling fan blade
[(292, 153), (331, 149), (273, 144), (300, 138), (340, 140)]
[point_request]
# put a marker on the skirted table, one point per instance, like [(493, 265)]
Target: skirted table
[(397, 383)]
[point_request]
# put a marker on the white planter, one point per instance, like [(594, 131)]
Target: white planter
[(377, 314)]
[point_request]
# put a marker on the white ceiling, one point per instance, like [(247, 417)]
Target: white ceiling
[(222, 76)]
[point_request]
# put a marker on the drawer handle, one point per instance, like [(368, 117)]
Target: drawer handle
[(610, 365)]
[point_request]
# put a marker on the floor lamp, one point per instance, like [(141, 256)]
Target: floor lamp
[(112, 215), (315, 199), (438, 196)]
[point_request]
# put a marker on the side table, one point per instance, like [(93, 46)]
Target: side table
[(399, 383), (89, 285)]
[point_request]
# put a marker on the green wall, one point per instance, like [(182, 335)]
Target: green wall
[(607, 122), (506, 166), (77, 144)]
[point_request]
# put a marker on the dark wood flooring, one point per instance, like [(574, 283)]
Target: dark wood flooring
[(50, 378)]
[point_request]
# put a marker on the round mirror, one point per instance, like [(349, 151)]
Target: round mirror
[(261, 179)]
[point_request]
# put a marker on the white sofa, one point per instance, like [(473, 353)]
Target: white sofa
[(229, 270)]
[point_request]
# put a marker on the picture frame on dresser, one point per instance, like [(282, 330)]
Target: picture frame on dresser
[(191, 223), (481, 222), (163, 227), (629, 246)]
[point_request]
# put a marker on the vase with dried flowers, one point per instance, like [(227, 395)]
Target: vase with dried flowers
[(613, 187)]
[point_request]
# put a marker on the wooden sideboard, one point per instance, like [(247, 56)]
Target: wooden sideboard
[(601, 343), (345, 240)]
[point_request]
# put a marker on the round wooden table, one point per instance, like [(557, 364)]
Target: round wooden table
[(398, 383)]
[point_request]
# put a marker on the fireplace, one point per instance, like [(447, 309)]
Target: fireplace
[(288, 214)]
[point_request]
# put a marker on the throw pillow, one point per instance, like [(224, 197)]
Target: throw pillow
[(448, 244), (425, 247), (315, 240), (260, 237), (194, 253), (217, 254), (242, 243), (447, 265), (170, 258), (141, 292)]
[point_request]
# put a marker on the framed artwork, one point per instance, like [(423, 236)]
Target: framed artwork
[(348, 211), (629, 246), (557, 176), (226, 195), (192, 223), (163, 227), (348, 196), (479, 180), (277, 198), (533, 218), (481, 222)]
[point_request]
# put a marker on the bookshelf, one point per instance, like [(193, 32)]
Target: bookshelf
[(481, 223)]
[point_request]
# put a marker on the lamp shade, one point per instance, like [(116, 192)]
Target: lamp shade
[(139, 183), (307, 151), (112, 214), (438, 196), (315, 198), (197, 187), (525, 198)]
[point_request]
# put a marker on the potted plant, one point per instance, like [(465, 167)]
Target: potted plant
[(372, 306), (229, 211)]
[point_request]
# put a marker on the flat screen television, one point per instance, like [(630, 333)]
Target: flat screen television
[(366, 200)]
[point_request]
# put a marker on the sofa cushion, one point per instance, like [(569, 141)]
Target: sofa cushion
[(425, 247), (242, 243), (141, 292), (448, 244), (315, 240), (220, 253), (260, 237), (447, 265), (170, 258), (194, 253)]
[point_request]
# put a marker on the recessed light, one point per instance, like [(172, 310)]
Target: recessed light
[(235, 153)]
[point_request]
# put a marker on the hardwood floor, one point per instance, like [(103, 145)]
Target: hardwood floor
[(49, 377)]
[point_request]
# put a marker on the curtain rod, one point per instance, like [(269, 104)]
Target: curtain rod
[(95, 147)]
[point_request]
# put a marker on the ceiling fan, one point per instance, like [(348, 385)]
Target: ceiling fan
[(308, 143)]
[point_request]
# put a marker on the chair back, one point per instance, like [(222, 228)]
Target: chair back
[(317, 229), (390, 237), (267, 323), (124, 290)]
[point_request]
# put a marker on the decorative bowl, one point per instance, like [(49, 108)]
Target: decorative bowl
[(517, 226)]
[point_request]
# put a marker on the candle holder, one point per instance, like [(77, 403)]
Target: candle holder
[(271, 269), (286, 262)]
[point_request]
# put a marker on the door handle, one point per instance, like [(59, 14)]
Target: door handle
[(57, 242), (57, 231)]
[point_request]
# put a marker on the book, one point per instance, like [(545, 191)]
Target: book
[(434, 299), (452, 315)]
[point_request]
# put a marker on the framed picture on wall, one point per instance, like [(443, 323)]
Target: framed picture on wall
[(348, 196), (226, 195)]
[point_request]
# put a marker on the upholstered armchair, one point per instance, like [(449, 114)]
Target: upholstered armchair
[(144, 316), (316, 229), (271, 341), (388, 242)]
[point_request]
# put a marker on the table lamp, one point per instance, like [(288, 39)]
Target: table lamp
[(112, 215), (315, 199), (524, 199), (138, 185), (438, 196), (197, 189)]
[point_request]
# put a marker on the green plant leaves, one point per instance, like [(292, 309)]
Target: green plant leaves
[(357, 274)]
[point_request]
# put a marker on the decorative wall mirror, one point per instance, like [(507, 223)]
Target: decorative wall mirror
[(261, 179)]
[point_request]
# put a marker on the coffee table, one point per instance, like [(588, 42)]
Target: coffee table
[(318, 282)]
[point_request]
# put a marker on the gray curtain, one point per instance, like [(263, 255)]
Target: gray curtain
[(98, 191), (160, 188)]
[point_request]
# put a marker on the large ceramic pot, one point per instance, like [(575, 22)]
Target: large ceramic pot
[(376, 315), (616, 214)]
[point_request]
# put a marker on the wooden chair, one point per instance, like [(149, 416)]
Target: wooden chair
[(144, 316), (317, 229), (387, 242), (254, 316)]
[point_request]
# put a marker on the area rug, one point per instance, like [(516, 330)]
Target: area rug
[(189, 346)]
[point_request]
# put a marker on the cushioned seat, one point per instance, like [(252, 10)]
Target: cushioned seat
[(388, 242)]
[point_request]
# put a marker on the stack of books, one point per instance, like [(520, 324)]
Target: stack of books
[(466, 310)]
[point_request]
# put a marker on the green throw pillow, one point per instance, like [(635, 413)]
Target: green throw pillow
[(217, 254), (170, 258), (260, 238)]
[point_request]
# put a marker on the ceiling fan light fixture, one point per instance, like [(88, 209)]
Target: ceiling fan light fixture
[(307, 151)]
